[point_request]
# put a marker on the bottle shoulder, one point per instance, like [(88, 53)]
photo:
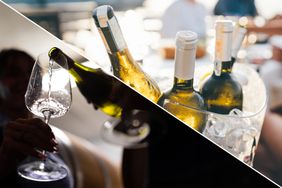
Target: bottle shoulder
[(218, 86), (224, 80), (190, 98)]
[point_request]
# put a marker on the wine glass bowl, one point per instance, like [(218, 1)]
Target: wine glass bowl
[(48, 95), (48, 91)]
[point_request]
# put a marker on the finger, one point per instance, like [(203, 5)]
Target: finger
[(28, 126), (43, 144), (36, 140), (21, 147), (33, 132), (36, 122), (21, 129)]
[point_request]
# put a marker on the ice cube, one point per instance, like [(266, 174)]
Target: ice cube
[(236, 112), (216, 129), (233, 140), (240, 140)]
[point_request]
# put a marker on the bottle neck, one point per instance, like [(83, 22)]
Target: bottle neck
[(233, 60), (61, 58), (222, 67), (112, 36), (185, 85), (223, 46), (184, 68), (120, 59), (113, 40)]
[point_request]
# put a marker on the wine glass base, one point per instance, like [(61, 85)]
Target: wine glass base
[(42, 171)]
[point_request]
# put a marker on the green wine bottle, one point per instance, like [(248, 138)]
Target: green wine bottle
[(182, 100), (221, 91), (94, 84)]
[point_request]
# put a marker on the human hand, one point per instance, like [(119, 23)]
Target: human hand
[(24, 137)]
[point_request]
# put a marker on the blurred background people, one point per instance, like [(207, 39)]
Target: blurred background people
[(272, 26), (184, 15), (236, 8), (268, 158)]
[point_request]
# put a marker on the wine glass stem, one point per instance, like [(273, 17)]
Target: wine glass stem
[(47, 115)]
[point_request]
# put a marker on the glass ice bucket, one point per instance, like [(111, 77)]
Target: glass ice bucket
[(237, 132)]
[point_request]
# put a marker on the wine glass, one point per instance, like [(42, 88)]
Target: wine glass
[(48, 95)]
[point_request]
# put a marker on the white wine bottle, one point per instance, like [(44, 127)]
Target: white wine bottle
[(238, 37), (123, 64), (221, 91), (182, 100)]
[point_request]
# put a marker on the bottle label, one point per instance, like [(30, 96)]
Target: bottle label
[(116, 34), (185, 64), (102, 16)]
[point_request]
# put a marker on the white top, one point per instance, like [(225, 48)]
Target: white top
[(223, 40), (186, 39), (186, 42), (237, 39), (184, 15)]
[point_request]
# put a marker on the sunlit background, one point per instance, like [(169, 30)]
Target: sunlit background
[(140, 21), (71, 21)]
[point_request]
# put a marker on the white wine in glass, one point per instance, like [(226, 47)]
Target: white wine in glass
[(48, 95)]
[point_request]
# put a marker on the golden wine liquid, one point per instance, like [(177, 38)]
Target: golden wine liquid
[(131, 73), (186, 104), (124, 66), (222, 93)]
